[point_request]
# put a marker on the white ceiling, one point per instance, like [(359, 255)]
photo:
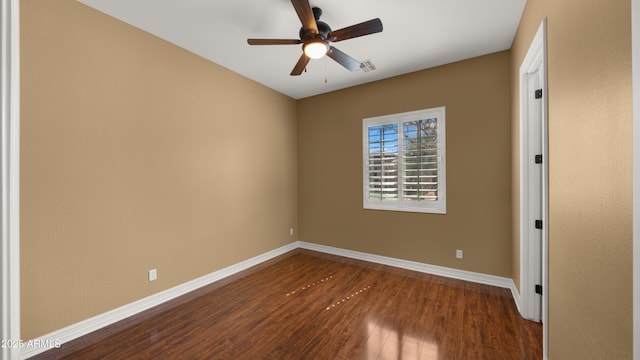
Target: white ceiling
[(418, 34)]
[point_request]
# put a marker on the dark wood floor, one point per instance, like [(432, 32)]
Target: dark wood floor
[(307, 305)]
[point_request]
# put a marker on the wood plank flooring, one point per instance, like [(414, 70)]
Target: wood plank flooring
[(308, 305)]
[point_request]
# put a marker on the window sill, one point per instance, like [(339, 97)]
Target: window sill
[(440, 211)]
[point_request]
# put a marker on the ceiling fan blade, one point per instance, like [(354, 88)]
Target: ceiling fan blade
[(301, 65), (303, 9), (365, 28), (343, 59), (274, 41)]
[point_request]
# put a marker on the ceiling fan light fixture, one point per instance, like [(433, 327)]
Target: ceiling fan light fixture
[(316, 49)]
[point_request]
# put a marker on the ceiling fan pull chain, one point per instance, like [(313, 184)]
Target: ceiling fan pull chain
[(325, 70)]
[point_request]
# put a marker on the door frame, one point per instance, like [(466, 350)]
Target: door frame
[(535, 60), (10, 165), (635, 61)]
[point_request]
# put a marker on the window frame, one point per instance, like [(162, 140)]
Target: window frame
[(422, 206)]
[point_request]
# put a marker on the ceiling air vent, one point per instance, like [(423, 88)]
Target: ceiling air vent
[(367, 66)]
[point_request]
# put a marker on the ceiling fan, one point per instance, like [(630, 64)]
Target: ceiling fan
[(316, 37)]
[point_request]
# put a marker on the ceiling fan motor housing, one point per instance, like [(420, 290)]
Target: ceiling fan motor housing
[(323, 28)]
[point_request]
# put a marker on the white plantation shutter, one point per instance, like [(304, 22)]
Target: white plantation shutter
[(404, 161), (420, 160), (383, 162)]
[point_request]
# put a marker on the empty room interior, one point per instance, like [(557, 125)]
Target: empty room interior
[(137, 154)]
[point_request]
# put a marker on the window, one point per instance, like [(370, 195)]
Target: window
[(404, 161)]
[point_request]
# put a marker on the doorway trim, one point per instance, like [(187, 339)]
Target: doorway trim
[(535, 60), (10, 164), (635, 63)]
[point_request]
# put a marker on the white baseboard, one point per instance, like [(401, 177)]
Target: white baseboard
[(421, 267), (87, 326)]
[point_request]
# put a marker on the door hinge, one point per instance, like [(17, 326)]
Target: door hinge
[(539, 94), (539, 289), (538, 224), (538, 159)]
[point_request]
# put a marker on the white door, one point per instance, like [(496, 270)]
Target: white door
[(533, 182), (534, 204), (534, 186)]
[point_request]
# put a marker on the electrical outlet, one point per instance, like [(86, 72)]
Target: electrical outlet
[(458, 254), (291, 231), (153, 274)]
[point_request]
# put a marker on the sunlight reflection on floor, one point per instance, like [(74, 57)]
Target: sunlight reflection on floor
[(386, 343)]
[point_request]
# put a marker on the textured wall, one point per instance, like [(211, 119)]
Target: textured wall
[(590, 173), (136, 155), (476, 94)]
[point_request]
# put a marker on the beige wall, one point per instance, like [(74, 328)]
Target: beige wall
[(590, 153), (476, 94), (136, 155)]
